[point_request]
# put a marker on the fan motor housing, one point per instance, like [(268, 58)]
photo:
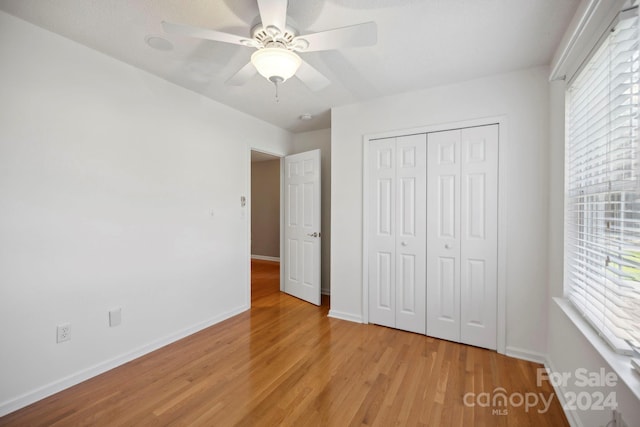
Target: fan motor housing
[(263, 34)]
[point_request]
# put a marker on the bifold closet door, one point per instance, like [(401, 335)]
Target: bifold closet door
[(397, 232), (443, 228), (479, 236), (382, 232), (462, 228)]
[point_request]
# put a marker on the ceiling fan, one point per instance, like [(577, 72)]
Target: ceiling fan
[(278, 45)]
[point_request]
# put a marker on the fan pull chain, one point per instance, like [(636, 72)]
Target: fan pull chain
[(275, 80)]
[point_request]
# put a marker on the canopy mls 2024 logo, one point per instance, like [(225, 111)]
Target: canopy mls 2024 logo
[(593, 393)]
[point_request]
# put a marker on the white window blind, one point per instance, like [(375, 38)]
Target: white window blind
[(602, 251)]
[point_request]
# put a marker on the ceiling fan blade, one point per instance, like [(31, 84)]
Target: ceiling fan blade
[(202, 33), (243, 75), (355, 35), (273, 13), (311, 77)]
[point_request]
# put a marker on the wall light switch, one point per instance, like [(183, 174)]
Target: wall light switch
[(115, 317)]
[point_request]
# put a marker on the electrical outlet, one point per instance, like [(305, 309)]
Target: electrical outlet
[(64, 332)]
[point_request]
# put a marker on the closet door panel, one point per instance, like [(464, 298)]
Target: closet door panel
[(411, 233), (443, 231), (382, 232), (479, 235)]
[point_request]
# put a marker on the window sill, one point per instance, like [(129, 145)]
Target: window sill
[(619, 363)]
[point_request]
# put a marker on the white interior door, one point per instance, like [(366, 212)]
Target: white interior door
[(302, 226), (397, 232), (382, 232), (479, 236), (410, 247), (462, 224), (443, 229)]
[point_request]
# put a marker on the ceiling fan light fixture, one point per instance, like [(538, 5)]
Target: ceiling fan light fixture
[(276, 64)]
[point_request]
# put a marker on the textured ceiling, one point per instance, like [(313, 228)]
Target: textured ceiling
[(421, 43)]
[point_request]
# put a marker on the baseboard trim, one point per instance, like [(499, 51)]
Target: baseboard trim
[(265, 258), (325, 291), (345, 316), (536, 357), (85, 374), (572, 416), (523, 354)]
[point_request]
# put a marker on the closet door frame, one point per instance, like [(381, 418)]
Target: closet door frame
[(501, 121)]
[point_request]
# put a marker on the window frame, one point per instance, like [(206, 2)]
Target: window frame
[(570, 262)]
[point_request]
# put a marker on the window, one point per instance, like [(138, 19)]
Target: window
[(602, 213)]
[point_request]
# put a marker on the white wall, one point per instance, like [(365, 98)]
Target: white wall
[(107, 179), (520, 96), (306, 141)]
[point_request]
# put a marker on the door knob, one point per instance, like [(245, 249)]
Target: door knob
[(315, 234), (403, 243), (447, 246)]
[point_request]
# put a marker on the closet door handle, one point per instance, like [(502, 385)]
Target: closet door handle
[(447, 246), (403, 243)]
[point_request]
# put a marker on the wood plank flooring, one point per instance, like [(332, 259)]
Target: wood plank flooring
[(286, 363)]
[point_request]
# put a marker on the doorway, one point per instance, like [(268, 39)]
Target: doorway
[(265, 223), (299, 213)]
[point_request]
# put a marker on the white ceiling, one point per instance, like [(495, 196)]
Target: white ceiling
[(421, 43)]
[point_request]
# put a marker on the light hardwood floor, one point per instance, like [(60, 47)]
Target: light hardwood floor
[(286, 363)]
